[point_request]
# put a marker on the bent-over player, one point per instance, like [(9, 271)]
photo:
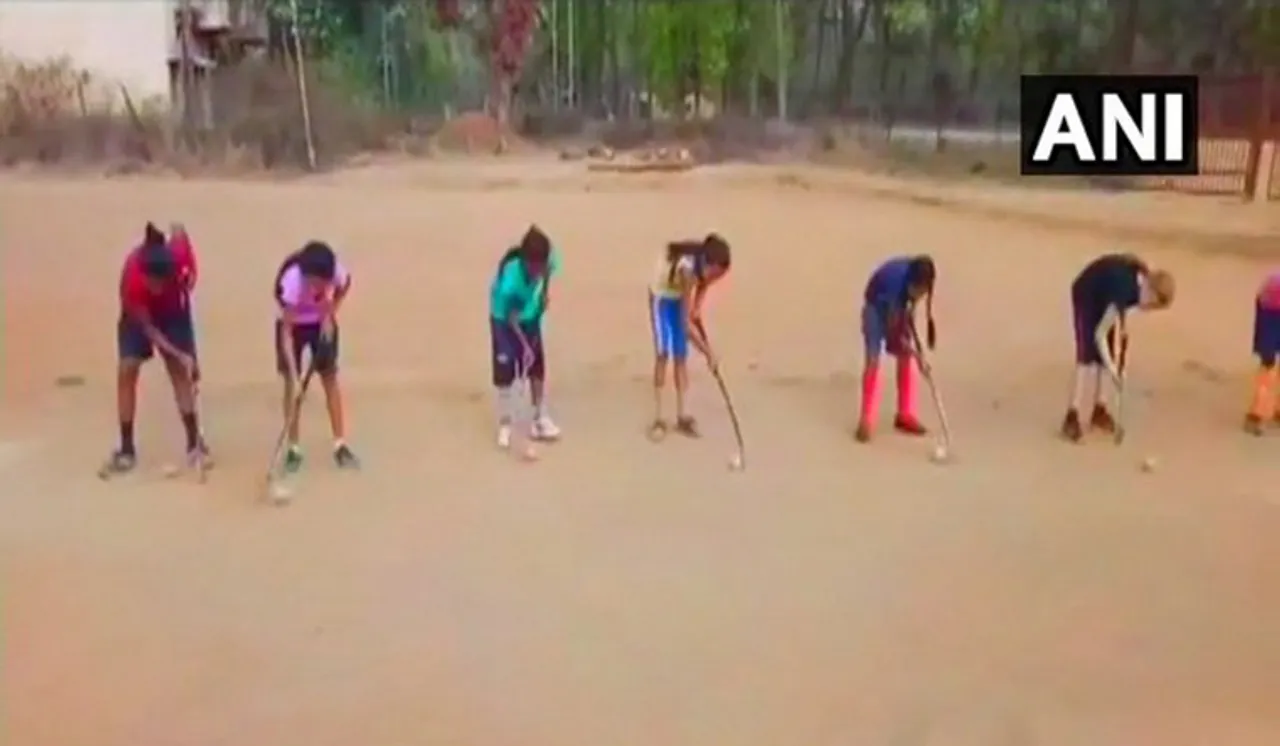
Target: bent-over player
[(1101, 297), (156, 283), (311, 286), (888, 323)]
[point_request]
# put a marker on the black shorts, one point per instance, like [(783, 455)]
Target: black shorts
[(307, 338), (132, 342), (508, 355), (1085, 323)]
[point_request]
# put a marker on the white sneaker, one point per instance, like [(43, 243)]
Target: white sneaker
[(544, 428), (504, 436)]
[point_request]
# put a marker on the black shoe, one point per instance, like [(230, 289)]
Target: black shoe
[(345, 458)]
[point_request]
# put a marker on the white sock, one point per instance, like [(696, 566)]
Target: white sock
[(505, 405)]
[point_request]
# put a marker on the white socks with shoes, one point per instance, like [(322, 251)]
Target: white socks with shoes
[(542, 427)]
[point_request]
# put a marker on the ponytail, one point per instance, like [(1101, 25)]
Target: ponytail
[(512, 253), (922, 272), (152, 236)]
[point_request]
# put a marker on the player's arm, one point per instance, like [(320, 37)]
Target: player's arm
[(690, 303), (699, 298), (135, 303), (1112, 321), (699, 295), (287, 297), (135, 308), (188, 266), (340, 292), (509, 300), (899, 322), (553, 269)]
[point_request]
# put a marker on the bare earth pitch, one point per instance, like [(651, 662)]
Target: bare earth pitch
[(620, 592)]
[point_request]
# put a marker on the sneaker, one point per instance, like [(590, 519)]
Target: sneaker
[(206, 455), (1101, 419), (863, 433), (544, 428), (1071, 429), (119, 462), (292, 460), (908, 425), (1253, 424), (504, 436), (345, 458)]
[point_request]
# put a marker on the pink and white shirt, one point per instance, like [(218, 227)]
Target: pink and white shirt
[(307, 306)]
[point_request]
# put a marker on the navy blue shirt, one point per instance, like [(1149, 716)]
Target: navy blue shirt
[(887, 289), (1109, 280)]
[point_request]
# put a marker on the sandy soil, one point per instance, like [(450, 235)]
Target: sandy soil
[(620, 592)]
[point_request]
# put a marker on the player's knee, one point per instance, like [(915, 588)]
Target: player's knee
[(504, 375), (127, 369)]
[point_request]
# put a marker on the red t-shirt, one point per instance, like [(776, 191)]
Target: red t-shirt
[(136, 299)]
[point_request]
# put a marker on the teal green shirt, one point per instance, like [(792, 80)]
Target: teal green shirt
[(512, 290)]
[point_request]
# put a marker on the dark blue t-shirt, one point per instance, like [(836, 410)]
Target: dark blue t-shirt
[(887, 288), (1109, 280)]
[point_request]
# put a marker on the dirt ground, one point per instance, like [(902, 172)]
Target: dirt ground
[(619, 592)]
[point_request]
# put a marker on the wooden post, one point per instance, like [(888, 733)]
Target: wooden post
[(1256, 189), (186, 73), (302, 87), (780, 48)]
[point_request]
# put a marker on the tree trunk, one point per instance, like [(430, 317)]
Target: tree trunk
[(852, 29), (615, 68), (815, 83), (784, 72), (885, 38)]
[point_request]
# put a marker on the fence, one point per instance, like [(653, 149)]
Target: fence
[(1239, 126)]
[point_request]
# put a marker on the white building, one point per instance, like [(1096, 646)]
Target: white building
[(122, 41)]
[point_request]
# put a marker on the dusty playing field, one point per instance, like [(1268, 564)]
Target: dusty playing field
[(620, 592)]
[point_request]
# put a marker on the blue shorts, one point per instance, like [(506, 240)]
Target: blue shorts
[(308, 338), (670, 335), (132, 342), (1266, 334), (876, 336), (507, 355)]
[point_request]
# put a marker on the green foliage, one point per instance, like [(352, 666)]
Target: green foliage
[(680, 42), (667, 48), (321, 23)]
